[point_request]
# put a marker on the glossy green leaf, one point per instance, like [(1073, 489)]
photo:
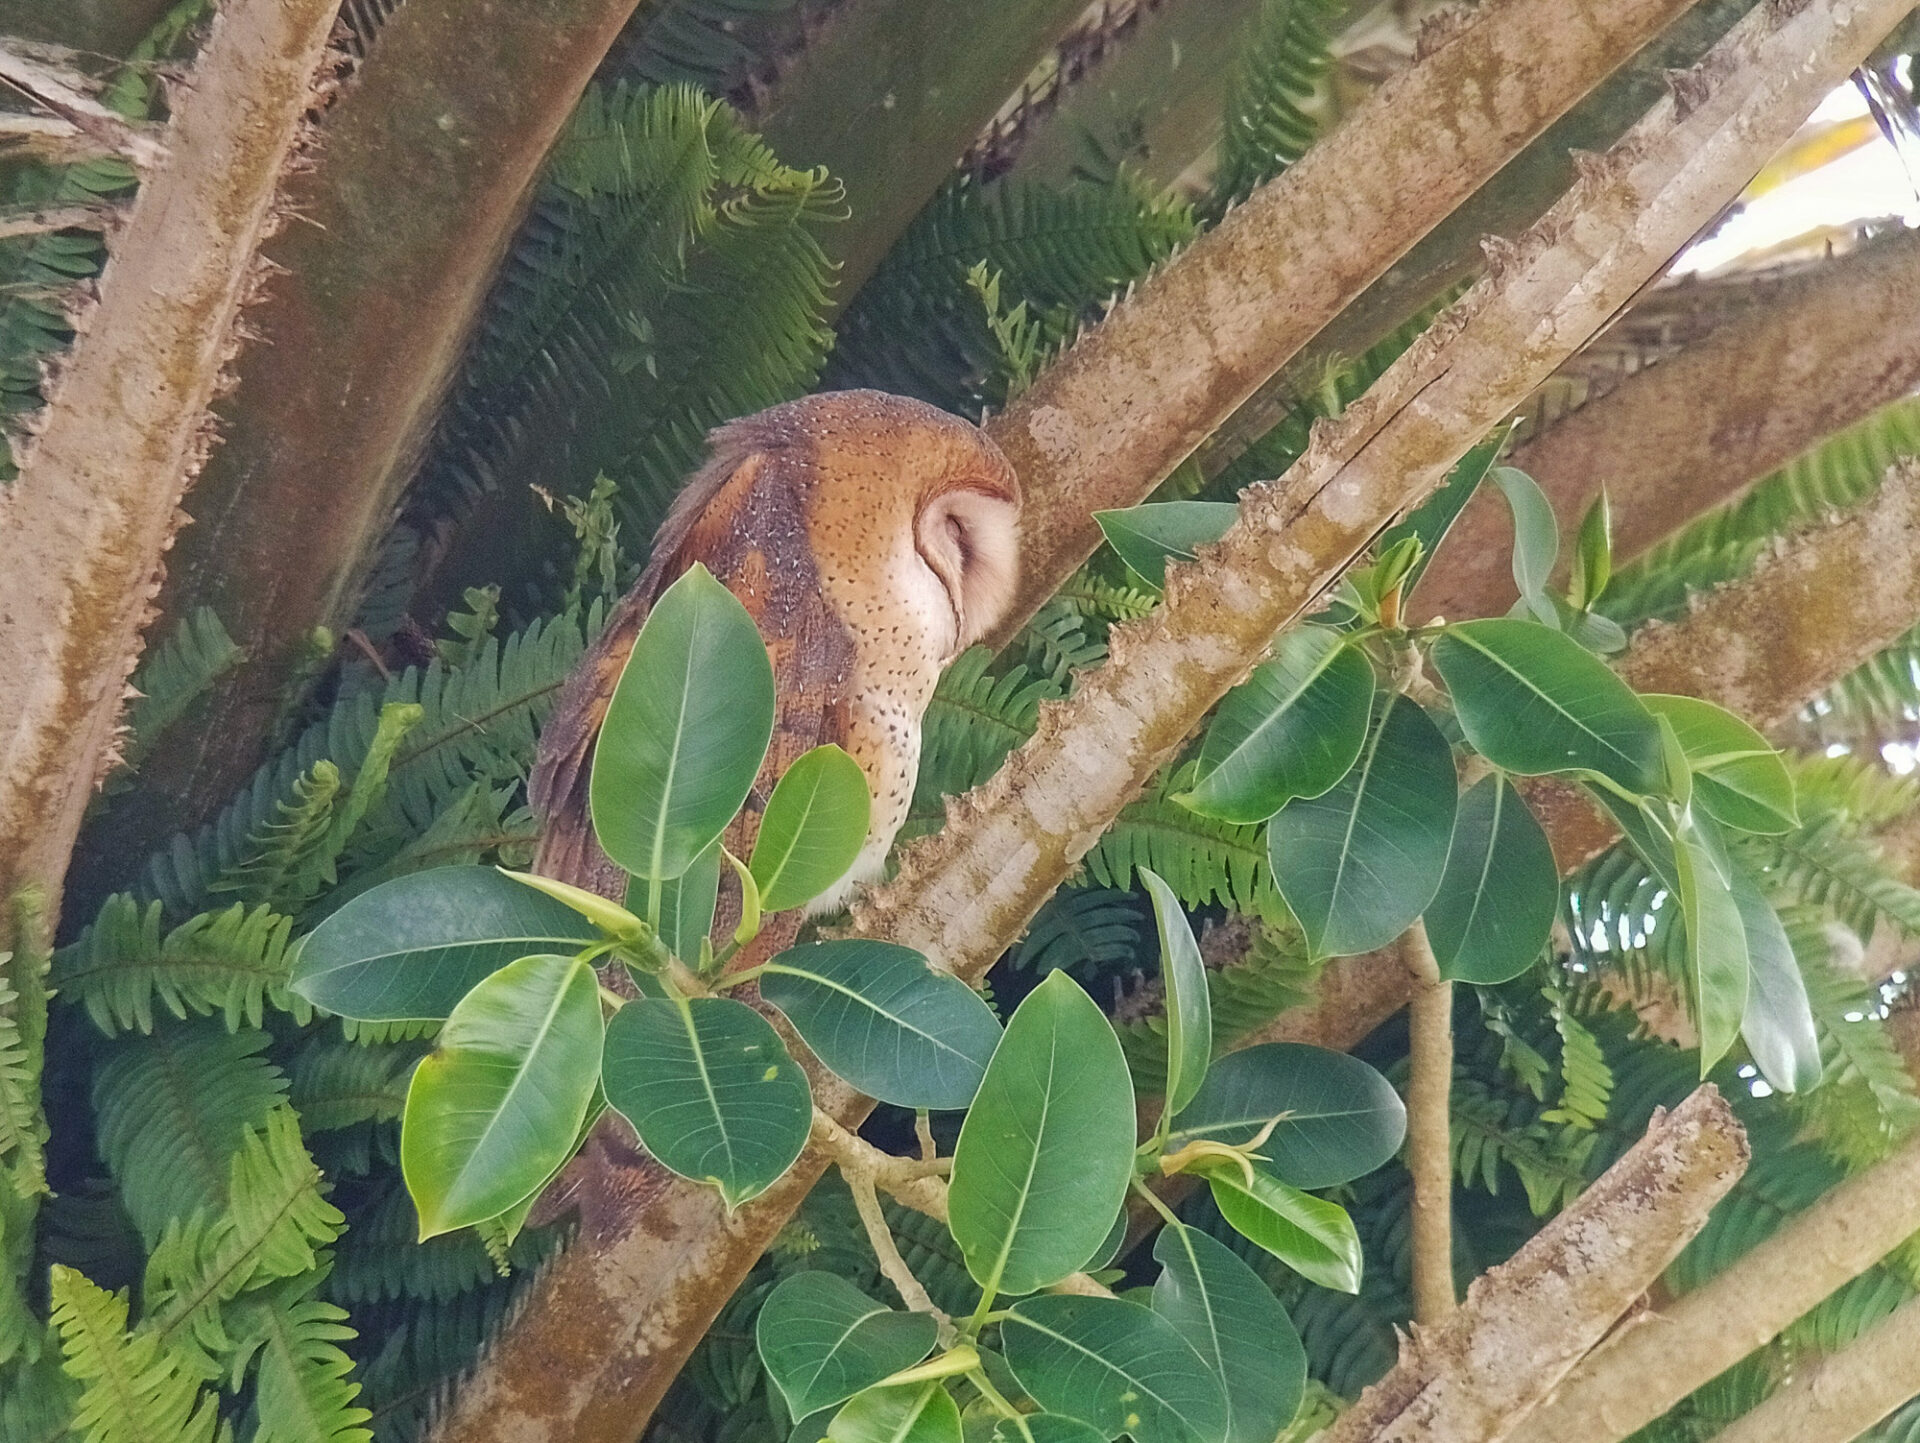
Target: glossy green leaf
[(1677, 770), (1592, 555), (823, 1340), (1233, 1320), (1536, 534), (1046, 1428), (1737, 778), (1341, 1118), (1777, 1025), (494, 1109), (710, 1089), (907, 1413), (1189, 1008), (1312, 1236), (884, 1019), (1292, 729), (1360, 862), (410, 949), (1114, 1364), (1147, 536), (1497, 898), (1044, 1157), (1532, 700), (686, 904), (813, 829), (685, 732), (1716, 946)]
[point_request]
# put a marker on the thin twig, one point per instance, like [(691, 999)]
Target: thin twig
[(39, 220), (66, 94), (1429, 1152), (915, 1184), (912, 1292), (923, 1130)]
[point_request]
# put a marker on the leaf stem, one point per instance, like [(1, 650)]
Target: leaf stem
[(912, 1292), (1429, 1150)]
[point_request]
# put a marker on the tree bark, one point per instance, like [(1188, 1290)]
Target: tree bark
[(1127, 404), (1529, 1320), (1642, 1371), (608, 1325), (86, 523), (1827, 350), (1839, 1397), (425, 166)]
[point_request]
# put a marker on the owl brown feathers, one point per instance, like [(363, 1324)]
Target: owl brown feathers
[(872, 538)]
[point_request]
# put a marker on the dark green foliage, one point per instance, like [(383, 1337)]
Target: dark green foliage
[(668, 280), (1288, 50), (920, 329)]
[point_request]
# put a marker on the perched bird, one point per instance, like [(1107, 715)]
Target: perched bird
[(872, 539)]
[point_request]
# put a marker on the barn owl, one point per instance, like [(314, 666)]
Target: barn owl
[(872, 539)]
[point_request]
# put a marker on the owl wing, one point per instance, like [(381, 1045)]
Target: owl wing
[(749, 530)]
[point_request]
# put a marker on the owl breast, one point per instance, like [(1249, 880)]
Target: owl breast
[(902, 627)]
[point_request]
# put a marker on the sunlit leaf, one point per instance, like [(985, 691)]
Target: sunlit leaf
[(812, 830), (685, 732), (494, 1109), (1312, 1236)]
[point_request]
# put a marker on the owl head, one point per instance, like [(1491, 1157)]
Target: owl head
[(898, 498)]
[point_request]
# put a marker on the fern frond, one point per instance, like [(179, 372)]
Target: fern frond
[(172, 677), (1586, 1079), (272, 1226), (302, 1391), (973, 721), (709, 43), (917, 327), (342, 1084), (173, 1108), (1828, 864), (480, 824), (1287, 52), (1057, 642), (1840, 472), (1492, 1131), (232, 963), (1088, 932), (480, 723), (1861, 790), (1866, 1100), (289, 861), (381, 1259), (670, 279), (1202, 859), (133, 1392), (37, 1395), (23, 1131)]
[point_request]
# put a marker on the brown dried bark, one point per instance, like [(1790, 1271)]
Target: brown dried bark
[(425, 166), (1642, 1371), (92, 512), (1829, 348), (1103, 426), (1527, 1321)]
